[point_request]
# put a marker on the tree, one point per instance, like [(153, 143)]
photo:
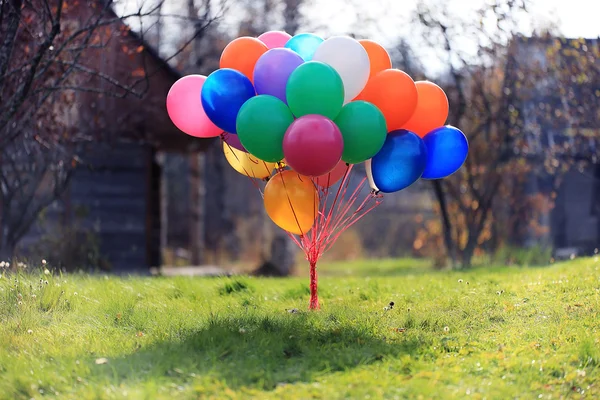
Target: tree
[(47, 54), (505, 100)]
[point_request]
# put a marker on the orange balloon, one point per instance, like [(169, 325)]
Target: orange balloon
[(394, 93), (432, 109), (242, 54), (378, 56), (291, 201)]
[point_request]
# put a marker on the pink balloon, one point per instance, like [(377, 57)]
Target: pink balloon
[(234, 141), (313, 145), (274, 39), (185, 108), (333, 176)]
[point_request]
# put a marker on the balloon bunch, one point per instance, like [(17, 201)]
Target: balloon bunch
[(299, 112)]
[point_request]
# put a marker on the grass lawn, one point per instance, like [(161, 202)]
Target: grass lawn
[(497, 334)]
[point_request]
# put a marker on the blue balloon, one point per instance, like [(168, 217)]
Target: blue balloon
[(400, 162), (447, 149), (223, 94), (305, 44)]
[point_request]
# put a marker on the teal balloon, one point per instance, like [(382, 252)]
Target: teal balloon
[(261, 125), (315, 88), (364, 131), (304, 44)]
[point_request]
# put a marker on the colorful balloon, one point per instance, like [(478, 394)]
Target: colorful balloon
[(242, 54), (313, 145), (261, 125), (273, 70), (447, 149), (274, 39), (305, 44), (333, 176), (315, 88), (246, 164), (400, 162), (185, 108), (349, 59), (363, 129), (233, 140), (431, 111), (291, 201), (394, 93), (378, 57), (223, 94)]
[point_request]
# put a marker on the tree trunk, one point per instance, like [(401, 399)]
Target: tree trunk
[(467, 253), (282, 253), (283, 257), (446, 223), (291, 16), (7, 251)]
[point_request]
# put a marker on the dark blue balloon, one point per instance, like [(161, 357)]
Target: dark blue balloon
[(400, 162), (223, 94), (447, 150)]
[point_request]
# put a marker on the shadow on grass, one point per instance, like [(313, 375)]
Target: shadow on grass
[(262, 351)]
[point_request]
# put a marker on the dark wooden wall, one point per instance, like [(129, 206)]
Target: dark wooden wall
[(118, 189), (574, 219)]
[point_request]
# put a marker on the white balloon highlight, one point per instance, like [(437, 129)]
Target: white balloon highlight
[(351, 61)]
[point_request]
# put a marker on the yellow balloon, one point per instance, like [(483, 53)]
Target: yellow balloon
[(291, 201), (247, 164)]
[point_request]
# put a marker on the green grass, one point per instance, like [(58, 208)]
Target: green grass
[(496, 334)]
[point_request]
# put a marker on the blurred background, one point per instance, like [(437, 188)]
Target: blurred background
[(93, 175)]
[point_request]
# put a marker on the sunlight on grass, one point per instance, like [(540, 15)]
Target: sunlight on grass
[(504, 333), (373, 267)]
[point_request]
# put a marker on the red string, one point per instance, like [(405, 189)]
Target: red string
[(332, 219)]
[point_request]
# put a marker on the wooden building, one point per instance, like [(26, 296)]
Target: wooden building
[(115, 192), (556, 87)]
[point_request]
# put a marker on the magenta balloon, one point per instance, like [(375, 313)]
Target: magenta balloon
[(313, 145), (274, 39), (185, 108), (233, 140), (273, 70)]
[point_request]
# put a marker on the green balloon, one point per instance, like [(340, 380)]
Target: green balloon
[(261, 125), (315, 88), (364, 131)]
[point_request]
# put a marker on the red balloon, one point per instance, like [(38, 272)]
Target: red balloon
[(331, 178), (313, 145)]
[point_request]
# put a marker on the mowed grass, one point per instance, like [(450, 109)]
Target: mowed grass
[(496, 334)]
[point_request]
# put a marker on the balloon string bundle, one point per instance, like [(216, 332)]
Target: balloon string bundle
[(297, 112), (332, 220)]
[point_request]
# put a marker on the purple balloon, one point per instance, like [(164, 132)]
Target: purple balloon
[(234, 141), (272, 71), (313, 145)]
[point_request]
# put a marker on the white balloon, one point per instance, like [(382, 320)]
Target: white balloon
[(350, 59), (370, 175)]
